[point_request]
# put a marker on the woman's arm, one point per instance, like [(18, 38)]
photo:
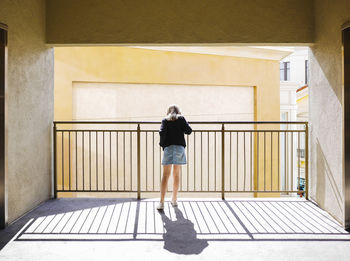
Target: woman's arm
[(162, 133), (162, 130), (186, 128)]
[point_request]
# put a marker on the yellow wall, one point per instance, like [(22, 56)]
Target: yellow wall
[(135, 65)]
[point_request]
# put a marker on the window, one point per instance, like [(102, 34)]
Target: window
[(306, 71), (284, 71)]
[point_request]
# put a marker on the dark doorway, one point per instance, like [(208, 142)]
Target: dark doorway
[(3, 56), (346, 71)]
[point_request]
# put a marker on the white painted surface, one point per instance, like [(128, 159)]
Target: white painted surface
[(297, 64), (288, 99), (119, 101)]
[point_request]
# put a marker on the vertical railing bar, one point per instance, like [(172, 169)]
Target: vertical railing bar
[(230, 174), (96, 160), (103, 158), (292, 161), (124, 167), (215, 162), (117, 156), (251, 161), (83, 154), (285, 161), (257, 156), (306, 161), (76, 160), (90, 159), (223, 162), (69, 160), (153, 159), (146, 169), (188, 163), (130, 161), (201, 161), (62, 141), (55, 159), (138, 163), (244, 161), (278, 161), (298, 161), (180, 179), (160, 166), (264, 160), (96, 156), (237, 170), (194, 162), (208, 161), (110, 160), (271, 136)]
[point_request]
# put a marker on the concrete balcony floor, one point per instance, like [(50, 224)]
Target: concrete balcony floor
[(205, 229)]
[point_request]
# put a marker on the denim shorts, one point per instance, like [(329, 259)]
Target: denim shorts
[(174, 154)]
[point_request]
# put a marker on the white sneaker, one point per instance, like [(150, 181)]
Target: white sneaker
[(160, 206), (174, 203)]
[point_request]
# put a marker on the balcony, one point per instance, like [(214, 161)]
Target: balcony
[(241, 194)]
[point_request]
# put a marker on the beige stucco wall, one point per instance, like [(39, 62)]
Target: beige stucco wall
[(325, 101), (30, 105), (186, 21), (149, 102)]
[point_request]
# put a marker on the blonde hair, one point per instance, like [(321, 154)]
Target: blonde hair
[(173, 112)]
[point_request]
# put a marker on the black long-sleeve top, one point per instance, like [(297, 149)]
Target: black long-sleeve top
[(172, 132)]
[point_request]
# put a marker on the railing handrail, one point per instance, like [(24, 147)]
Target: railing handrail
[(190, 122)]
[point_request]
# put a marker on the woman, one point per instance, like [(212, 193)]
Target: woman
[(172, 140)]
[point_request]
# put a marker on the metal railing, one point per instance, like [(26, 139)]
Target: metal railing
[(222, 157)]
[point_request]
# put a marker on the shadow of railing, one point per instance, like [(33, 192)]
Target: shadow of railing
[(201, 220)]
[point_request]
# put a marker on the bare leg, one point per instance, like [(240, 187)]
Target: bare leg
[(176, 173), (164, 185)]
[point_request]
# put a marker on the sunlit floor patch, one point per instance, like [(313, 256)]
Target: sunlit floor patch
[(245, 219)]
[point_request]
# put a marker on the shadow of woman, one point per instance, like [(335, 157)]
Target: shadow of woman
[(180, 236)]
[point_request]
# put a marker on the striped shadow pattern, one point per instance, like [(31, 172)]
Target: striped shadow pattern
[(251, 219)]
